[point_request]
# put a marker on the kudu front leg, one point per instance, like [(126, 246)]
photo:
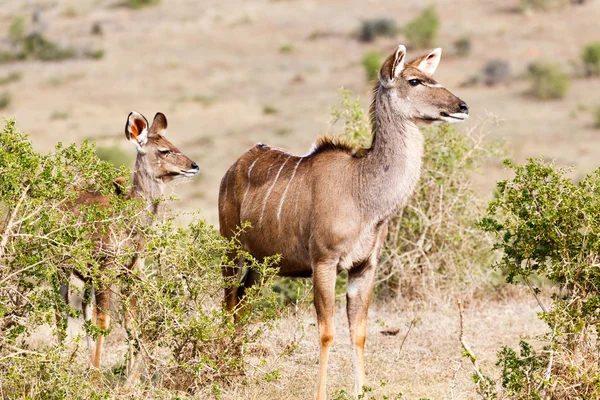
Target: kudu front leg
[(358, 296), (324, 275), (133, 371), (130, 315)]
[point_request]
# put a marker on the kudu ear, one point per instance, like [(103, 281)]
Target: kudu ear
[(392, 67), (159, 124), (429, 63), (136, 129)]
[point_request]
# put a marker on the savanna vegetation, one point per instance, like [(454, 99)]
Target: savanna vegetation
[(182, 338), (537, 230), (541, 224)]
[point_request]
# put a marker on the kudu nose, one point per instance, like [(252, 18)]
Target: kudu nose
[(195, 166), (464, 108)]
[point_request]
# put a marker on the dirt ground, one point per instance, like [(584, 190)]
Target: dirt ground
[(232, 73), (421, 362), (427, 365)]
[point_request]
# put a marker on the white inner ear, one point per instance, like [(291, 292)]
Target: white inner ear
[(430, 63), (141, 140), (399, 62)]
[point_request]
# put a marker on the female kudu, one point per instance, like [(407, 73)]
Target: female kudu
[(328, 211), (158, 162)]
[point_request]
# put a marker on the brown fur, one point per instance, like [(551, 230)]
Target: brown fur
[(153, 168), (328, 211)]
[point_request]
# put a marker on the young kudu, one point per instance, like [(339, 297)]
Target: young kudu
[(158, 162), (328, 211)]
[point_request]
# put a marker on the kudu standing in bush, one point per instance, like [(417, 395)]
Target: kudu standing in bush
[(328, 211), (158, 162)]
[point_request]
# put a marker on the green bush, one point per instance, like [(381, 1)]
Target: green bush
[(10, 78), (597, 125), (38, 47), (422, 31), (591, 59), (542, 5), (286, 49), (462, 46), (141, 3), (496, 72), (183, 339), (548, 81), (372, 28), (371, 62), (115, 155), (547, 226), (16, 31), (5, 99)]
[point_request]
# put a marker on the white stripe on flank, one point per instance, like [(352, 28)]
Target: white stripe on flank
[(269, 191), (286, 189), (248, 185)]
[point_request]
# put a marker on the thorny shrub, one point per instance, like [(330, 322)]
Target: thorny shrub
[(591, 58), (182, 338), (547, 226), (422, 31), (548, 81)]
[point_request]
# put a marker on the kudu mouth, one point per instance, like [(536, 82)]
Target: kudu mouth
[(190, 172), (455, 117), (461, 115)]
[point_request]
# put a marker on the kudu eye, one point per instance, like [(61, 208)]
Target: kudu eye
[(414, 82), (164, 152)]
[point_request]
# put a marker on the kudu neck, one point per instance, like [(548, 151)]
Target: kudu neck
[(392, 165), (145, 186)]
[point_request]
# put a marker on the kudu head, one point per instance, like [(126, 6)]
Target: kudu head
[(165, 161), (414, 94)]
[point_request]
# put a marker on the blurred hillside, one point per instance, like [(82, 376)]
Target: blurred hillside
[(232, 73)]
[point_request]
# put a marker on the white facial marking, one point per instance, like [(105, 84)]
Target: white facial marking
[(269, 191), (436, 85), (286, 189)]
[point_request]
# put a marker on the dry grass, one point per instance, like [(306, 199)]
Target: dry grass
[(425, 363), (429, 364), (228, 49)]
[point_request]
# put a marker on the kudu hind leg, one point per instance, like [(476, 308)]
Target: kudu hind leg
[(103, 313), (231, 276), (250, 279), (358, 296), (324, 276)]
